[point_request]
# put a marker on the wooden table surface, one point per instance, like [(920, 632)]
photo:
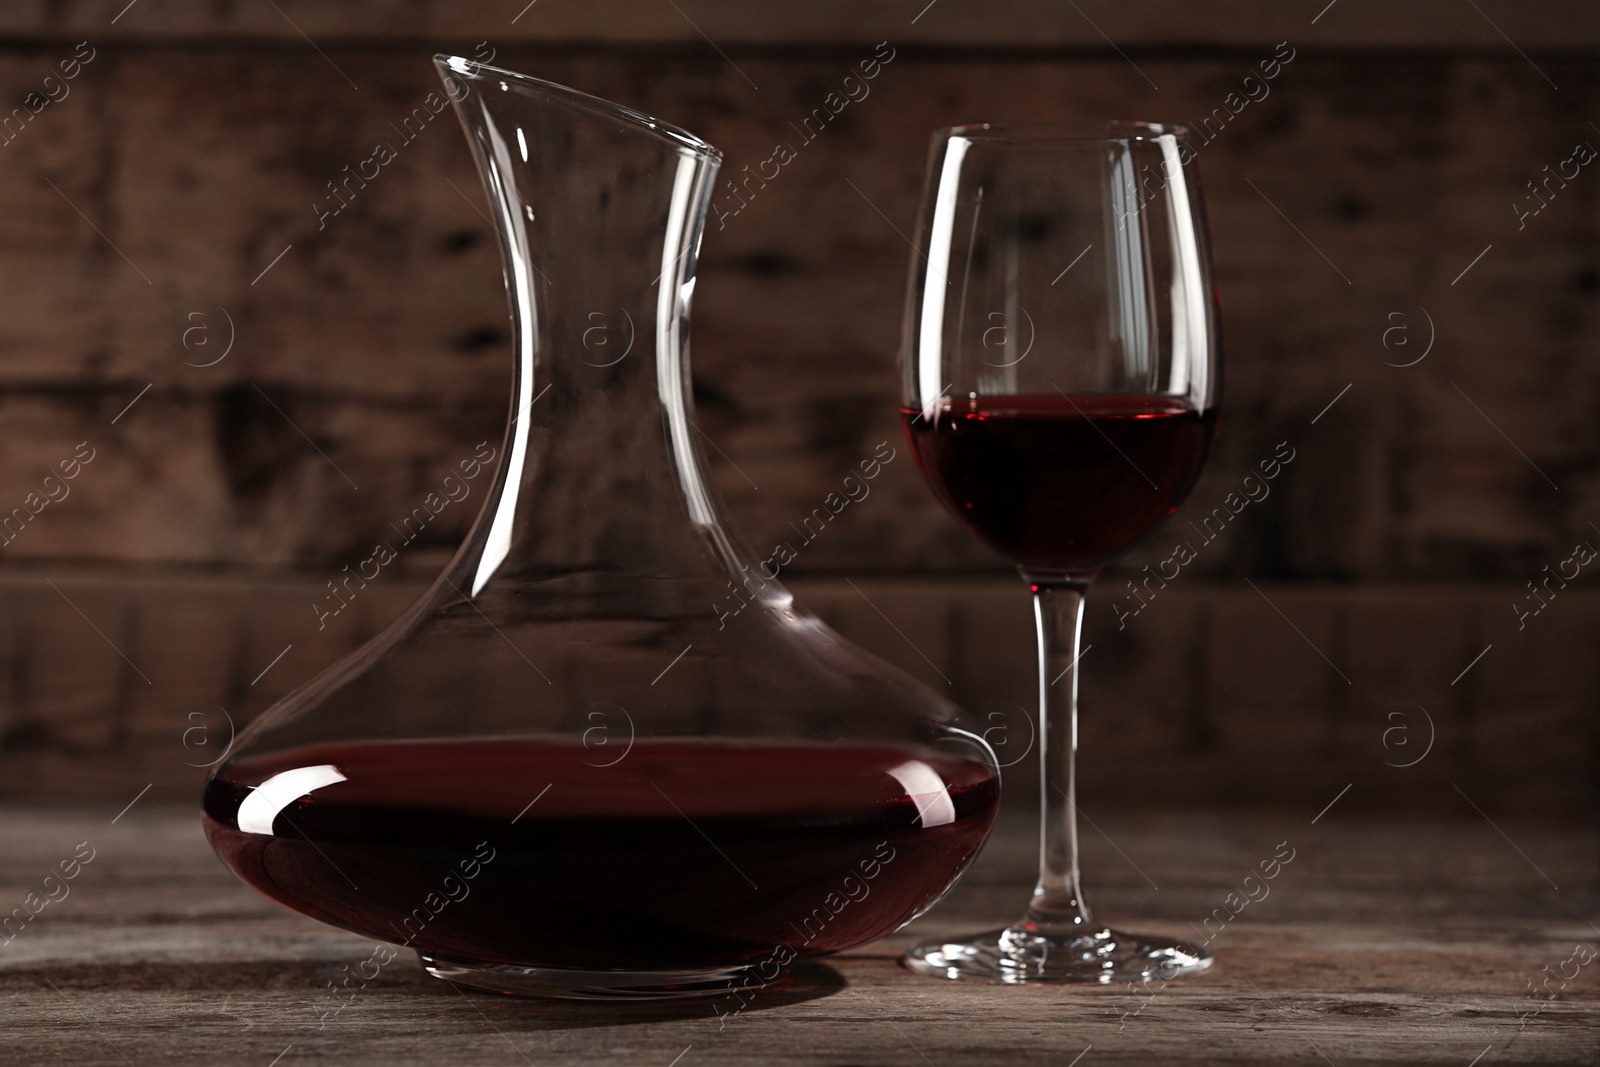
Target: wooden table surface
[(1387, 939)]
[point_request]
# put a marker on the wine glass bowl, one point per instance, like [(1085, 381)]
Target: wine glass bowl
[(1059, 389)]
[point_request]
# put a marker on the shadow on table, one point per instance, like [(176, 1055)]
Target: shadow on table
[(297, 996)]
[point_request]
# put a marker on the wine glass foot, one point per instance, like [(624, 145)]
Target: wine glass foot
[(1015, 956)]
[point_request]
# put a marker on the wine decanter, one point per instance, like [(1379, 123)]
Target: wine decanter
[(604, 755)]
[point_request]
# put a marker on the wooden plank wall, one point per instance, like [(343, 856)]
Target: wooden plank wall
[(159, 212), (113, 682)]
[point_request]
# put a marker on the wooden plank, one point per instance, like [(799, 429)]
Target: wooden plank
[(1030, 23), (381, 339), (158, 954), (1209, 693)]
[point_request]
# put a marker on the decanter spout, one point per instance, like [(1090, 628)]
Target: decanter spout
[(599, 211)]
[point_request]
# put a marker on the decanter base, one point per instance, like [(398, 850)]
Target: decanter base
[(570, 983), (1015, 956)]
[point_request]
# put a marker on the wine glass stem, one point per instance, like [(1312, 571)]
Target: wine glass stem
[(1058, 908)]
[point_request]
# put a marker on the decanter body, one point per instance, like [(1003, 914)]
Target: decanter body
[(603, 755)]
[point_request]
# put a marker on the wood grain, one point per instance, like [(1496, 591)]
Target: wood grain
[(380, 340), (167, 599), (177, 180), (1398, 939), (1214, 692), (1089, 24)]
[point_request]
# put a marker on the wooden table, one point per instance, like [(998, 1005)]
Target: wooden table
[(1387, 939)]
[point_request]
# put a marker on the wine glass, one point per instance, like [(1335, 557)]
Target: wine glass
[(1060, 374)]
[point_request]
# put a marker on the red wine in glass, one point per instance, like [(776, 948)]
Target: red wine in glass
[(1061, 483)]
